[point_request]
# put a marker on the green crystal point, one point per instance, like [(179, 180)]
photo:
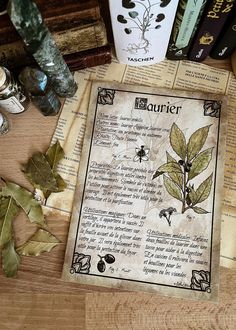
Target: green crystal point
[(28, 22)]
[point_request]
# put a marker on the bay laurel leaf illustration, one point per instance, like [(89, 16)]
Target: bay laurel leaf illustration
[(170, 168), (10, 259), (197, 141), (54, 154), (178, 141), (200, 163), (192, 196), (41, 241), (177, 176), (203, 191), (156, 174), (172, 188), (39, 173), (8, 211), (26, 201), (199, 210)]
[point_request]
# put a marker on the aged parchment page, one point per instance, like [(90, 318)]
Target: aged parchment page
[(146, 213), (181, 75)]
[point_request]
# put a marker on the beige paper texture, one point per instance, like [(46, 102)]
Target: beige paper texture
[(180, 75), (132, 228)]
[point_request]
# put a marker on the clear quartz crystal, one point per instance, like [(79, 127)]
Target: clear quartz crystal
[(4, 124)]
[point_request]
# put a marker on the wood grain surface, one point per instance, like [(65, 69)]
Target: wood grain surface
[(38, 299)]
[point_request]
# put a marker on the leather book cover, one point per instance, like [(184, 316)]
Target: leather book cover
[(226, 43), (186, 22), (89, 58), (58, 15), (69, 41), (216, 14)]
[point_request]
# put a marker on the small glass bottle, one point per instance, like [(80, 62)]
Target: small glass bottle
[(4, 124), (12, 96)]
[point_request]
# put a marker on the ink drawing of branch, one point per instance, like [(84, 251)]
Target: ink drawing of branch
[(178, 174), (143, 19)]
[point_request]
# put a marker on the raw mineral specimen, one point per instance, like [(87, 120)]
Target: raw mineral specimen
[(36, 84), (28, 21)]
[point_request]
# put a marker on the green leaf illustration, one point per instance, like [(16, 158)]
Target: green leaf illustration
[(172, 188), (10, 259), (192, 196), (178, 141), (54, 154), (26, 201), (200, 163), (170, 168), (8, 211), (196, 142), (199, 210), (156, 174), (203, 191), (177, 176), (41, 241), (39, 173)]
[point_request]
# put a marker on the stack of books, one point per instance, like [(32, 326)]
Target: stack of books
[(77, 27), (203, 28)]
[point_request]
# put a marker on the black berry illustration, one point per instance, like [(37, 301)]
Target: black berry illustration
[(108, 258), (101, 266)]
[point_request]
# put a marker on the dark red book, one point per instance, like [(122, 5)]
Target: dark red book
[(213, 19)]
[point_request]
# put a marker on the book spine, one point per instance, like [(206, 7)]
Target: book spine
[(186, 21), (56, 16), (76, 61), (69, 41), (142, 29), (226, 43), (89, 58), (213, 20)]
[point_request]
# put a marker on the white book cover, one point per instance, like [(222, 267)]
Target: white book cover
[(142, 29)]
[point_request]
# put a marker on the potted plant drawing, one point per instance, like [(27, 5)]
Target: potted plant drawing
[(141, 16), (179, 173)]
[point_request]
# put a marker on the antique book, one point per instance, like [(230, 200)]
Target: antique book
[(213, 19), (58, 15), (142, 30), (185, 25), (147, 208), (226, 43), (69, 41), (88, 58)]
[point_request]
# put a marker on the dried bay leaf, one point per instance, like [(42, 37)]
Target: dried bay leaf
[(203, 191), (39, 173), (200, 163), (8, 211), (41, 241), (54, 154), (10, 259), (26, 201)]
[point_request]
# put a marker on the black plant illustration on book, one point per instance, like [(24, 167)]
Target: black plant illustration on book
[(101, 265), (141, 154), (200, 281), (142, 19), (167, 213), (178, 174), (81, 263)]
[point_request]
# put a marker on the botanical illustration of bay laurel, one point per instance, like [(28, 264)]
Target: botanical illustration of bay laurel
[(192, 161)]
